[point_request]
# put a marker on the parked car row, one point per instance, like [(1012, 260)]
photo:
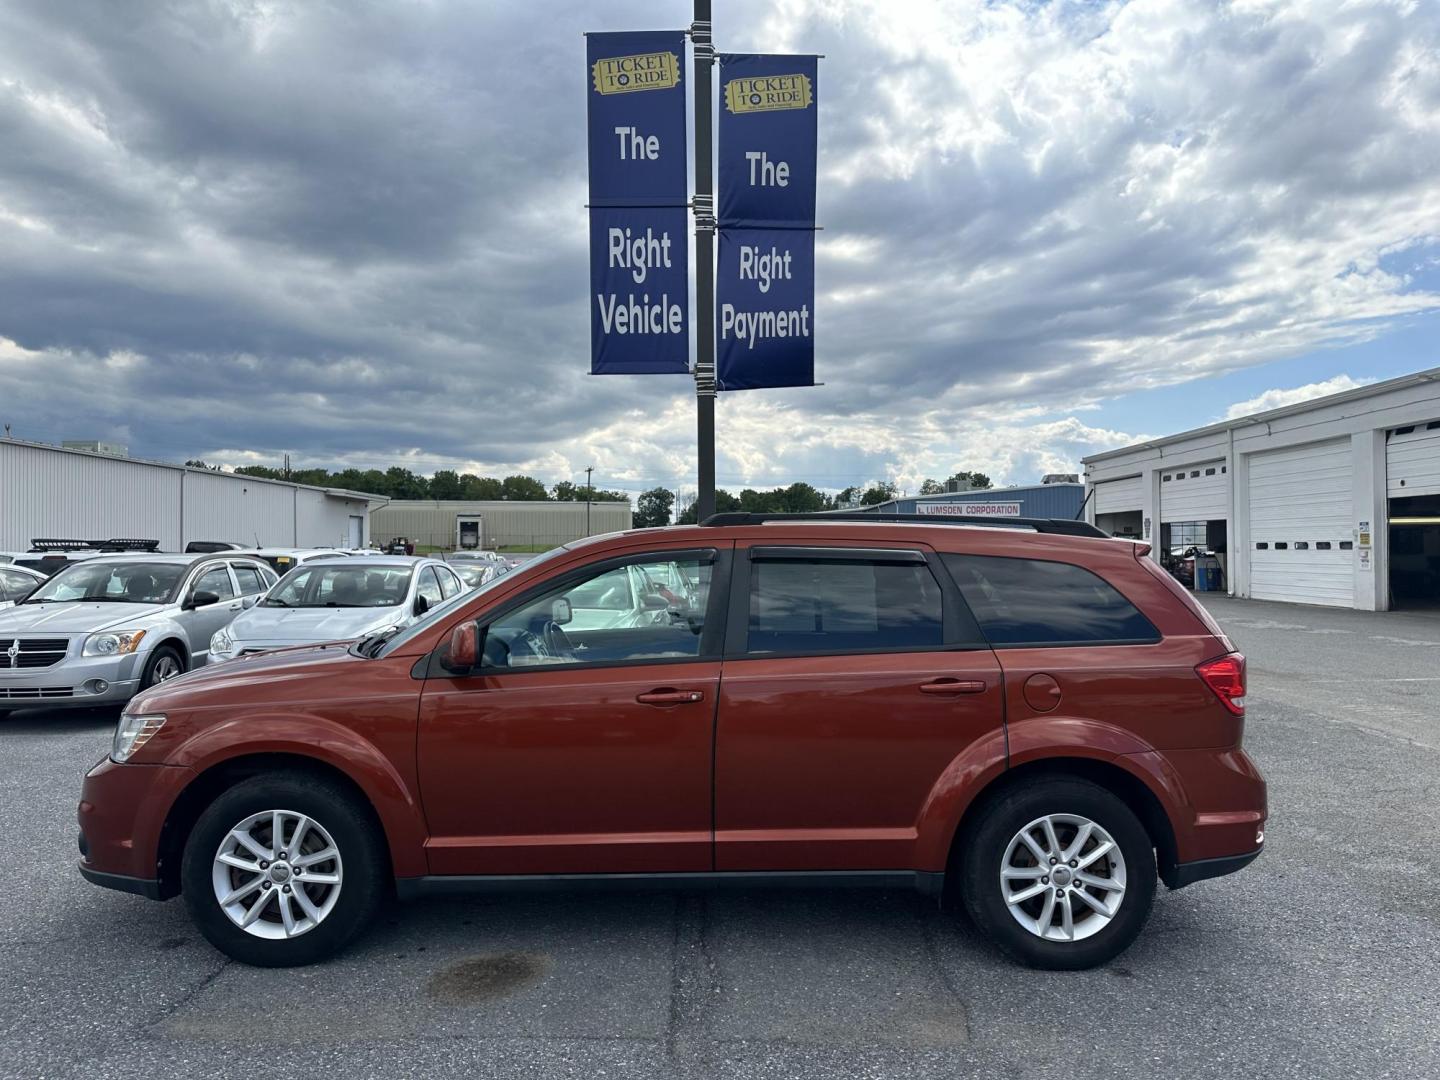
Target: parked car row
[(105, 626)]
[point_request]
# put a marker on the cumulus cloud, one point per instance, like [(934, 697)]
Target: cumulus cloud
[(355, 233), (1279, 398)]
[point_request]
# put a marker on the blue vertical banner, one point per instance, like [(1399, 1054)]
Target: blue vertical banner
[(765, 309), (640, 288), (767, 138), (765, 282), (639, 194)]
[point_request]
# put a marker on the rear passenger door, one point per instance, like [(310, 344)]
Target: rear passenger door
[(853, 678)]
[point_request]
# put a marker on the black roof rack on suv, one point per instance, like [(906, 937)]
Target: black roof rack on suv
[(53, 544), (1058, 526)]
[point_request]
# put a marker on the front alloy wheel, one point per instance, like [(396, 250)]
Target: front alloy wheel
[(277, 874)]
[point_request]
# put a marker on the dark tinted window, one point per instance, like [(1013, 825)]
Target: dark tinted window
[(1032, 602), (821, 605), (216, 581), (250, 580)]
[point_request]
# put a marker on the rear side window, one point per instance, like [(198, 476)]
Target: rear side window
[(1020, 602), (800, 605)]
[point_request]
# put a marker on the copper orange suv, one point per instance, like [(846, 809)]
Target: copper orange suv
[(1031, 719)]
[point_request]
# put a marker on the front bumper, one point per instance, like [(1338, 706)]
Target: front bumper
[(122, 818), (78, 681), (1183, 874)]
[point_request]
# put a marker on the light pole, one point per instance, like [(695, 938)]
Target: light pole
[(589, 491), (704, 53)]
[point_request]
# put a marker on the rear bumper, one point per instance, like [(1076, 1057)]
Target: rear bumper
[(1182, 874)]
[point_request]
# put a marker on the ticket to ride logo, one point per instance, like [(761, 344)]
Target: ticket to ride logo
[(643, 71), (767, 93)]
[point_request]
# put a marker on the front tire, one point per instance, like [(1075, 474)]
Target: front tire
[(1060, 873), (283, 869), (165, 663)]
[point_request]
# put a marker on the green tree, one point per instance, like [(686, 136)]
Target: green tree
[(725, 503), (523, 488), (480, 488), (878, 493), (404, 484), (263, 472), (445, 484), (801, 498), (653, 507), (978, 481)]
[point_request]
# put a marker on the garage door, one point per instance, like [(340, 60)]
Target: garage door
[(1301, 544), (1195, 493), (1412, 460), (1118, 496)]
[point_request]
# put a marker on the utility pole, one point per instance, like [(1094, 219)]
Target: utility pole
[(704, 205), (589, 493)]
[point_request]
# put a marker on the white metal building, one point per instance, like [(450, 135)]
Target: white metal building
[(1332, 501), (50, 491)]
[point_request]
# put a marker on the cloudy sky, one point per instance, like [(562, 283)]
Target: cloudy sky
[(354, 231)]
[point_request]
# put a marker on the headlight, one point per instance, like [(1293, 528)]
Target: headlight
[(133, 732), (222, 644), (113, 643)]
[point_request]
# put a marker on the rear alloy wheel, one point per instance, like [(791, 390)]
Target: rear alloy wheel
[(283, 869), (1060, 873)]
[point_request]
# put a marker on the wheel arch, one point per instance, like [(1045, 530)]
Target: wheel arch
[(1108, 774), (219, 777), (173, 639)]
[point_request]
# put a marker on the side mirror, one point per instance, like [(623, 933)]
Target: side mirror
[(202, 599), (654, 602), (561, 612), (421, 605), (461, 652)]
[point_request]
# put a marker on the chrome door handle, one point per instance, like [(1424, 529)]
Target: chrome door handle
[(953, 686)]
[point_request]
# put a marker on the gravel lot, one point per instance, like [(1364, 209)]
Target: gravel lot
[(1320, 960)]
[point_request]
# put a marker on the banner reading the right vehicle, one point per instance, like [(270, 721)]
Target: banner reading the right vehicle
[(765, 280)]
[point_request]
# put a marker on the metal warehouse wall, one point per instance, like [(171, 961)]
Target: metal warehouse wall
[(221, 507), (50, 492), (506, 523), (323, 520)]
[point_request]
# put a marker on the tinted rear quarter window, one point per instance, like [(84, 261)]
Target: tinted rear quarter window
[(1020, 602), (828, 605)]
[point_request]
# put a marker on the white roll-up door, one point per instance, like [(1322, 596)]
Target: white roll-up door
[(1118, 496), (1195, 493), (1301, 539), (1412, 461)]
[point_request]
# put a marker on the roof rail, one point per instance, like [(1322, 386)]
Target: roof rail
[(125, 544), (1057, 526), (53, 544)]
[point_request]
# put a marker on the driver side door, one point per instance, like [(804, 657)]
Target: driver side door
[(583, 744)]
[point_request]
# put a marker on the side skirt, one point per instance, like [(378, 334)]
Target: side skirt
[(927, 883)]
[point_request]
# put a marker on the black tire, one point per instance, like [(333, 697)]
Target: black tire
[(151, 675), (340, 813), (988, 839)]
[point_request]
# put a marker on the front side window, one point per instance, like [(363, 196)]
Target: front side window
[(339, 584), (216, 581), (616, 615), (1020, 602), (449, 584), (13, 586), (429, 587), (800, 605), (111, 582)]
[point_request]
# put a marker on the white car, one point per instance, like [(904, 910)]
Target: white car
[(18, 582), (283, 560), (338, 599)]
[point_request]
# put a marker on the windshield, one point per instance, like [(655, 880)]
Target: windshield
[(473, 574), (340, 585), (420, 625), (112, 582)]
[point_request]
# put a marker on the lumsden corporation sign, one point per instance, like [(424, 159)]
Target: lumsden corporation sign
[(970, 509)]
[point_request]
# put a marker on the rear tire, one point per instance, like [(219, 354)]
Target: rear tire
[(297, 909), (1040, 912)]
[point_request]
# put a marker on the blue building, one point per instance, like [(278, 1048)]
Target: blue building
[(1062, 500)]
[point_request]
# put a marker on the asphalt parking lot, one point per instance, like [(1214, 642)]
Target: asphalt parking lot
[(1318, 961)]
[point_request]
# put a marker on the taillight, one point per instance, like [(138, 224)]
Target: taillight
[(1226, 676)]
